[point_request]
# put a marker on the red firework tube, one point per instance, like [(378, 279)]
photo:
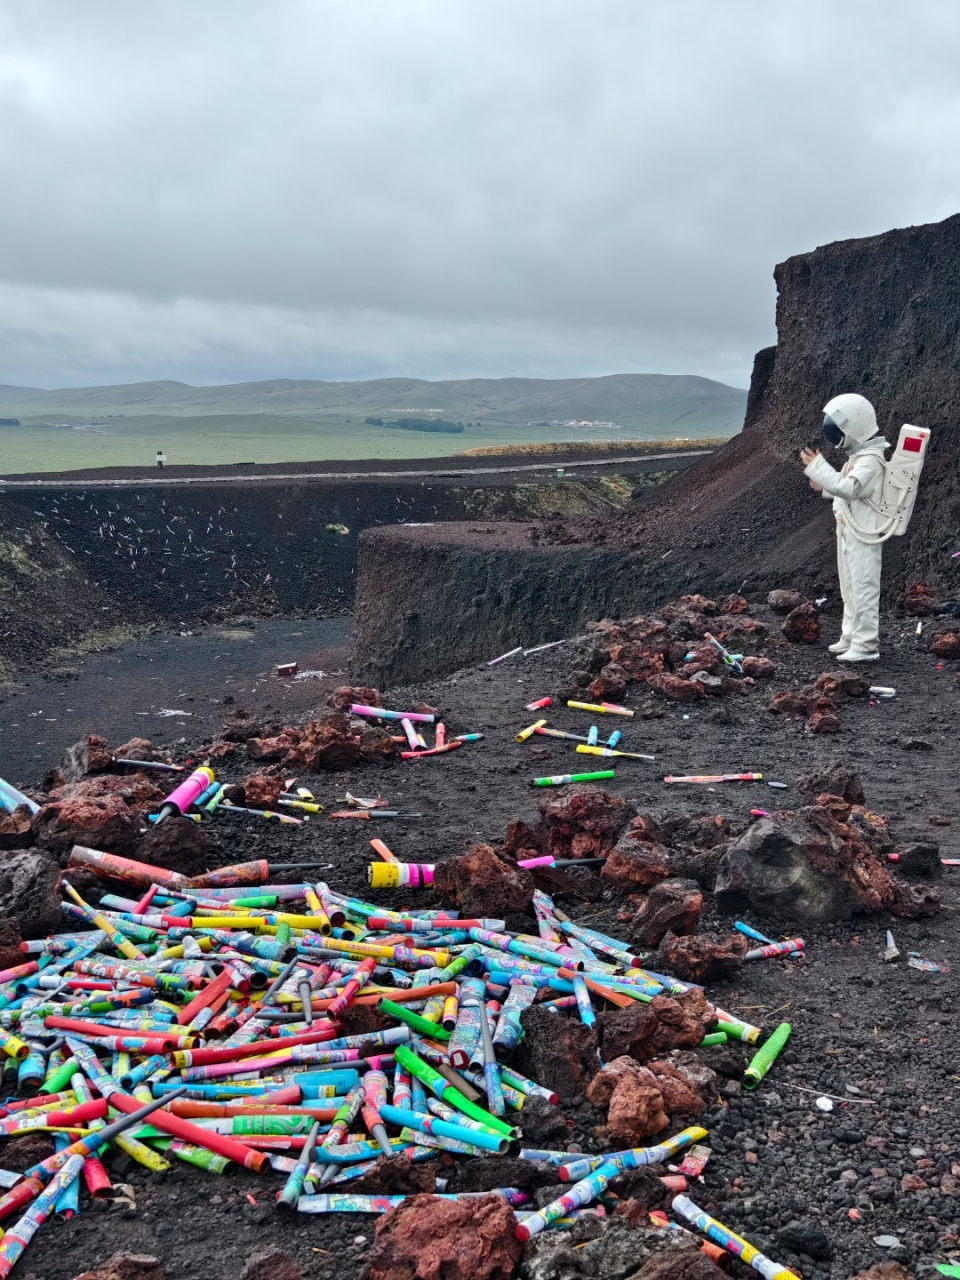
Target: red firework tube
[(241, 873), (374, 1097), (440, 736), (190, 1109), (398, 997), (24, 1104), (95, 1110), (153, 1043), (177, 1127), (113, 867), (19, 971), (220, 985), (359, 979), (773, 949), (540, 702), (97, 1179), (253, 1049), (147, 898), (944, 862), (182, 797), (431, 751)]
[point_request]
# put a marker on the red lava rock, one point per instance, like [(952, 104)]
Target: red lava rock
[(326, 744), (427, 1238), (913, 901), (672, 906), (262, 790), (29, 892), (584, 822), (734, 604), (16, 829), (758, 668), (557, 1052), (601, 1087), (699, 604), (675, 687), (912, 1182), (134, 1266), (803, 866), (786, 601), (396, 1176), (847, 683), (102, 822), (824, 717), (687, 1084), (790, 704), (134, 789), (482, 883), (634, 1100), (679, 1264), (376, 745), (346, 695), (240, 726), (10, 939), (648, 1031), (836, 806), (637, 661), (703, 957), (836, 779), (636, 865), (946, 644), (220, 750), (276, 748), (918, 600), (610, 685), (90, 755), (176, 843), (802, 625)]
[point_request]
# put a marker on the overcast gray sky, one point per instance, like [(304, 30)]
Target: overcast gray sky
[(242, 189)]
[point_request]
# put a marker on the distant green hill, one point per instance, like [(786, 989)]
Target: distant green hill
[(653, 405)]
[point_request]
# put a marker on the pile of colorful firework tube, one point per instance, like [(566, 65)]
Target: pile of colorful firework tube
[(199, 1020)]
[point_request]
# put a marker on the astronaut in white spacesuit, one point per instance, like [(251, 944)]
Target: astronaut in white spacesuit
[(851, 423)]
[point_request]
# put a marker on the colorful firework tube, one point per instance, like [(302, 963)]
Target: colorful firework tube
[(734, 1029), (493, 1086), (387, 854), (399, 875), (601, 708), (511, 653), (561, 779), (765, 1057), (593, 736), (101, 922), (729, 1240), (748, 931), (469, 737), (587, 1015), (454, 1145), (16, 1240), (466, 1034), (446, 1091), (293, 1187), (479, 1137), (72, 1116), (182, 797), (773, 949), (714, 777), (161, 766), (410, 734), (728, 658), (361, 976), (539, 704), (401, 1090), (457, 966), (944, 862), (614, 738), (221, 983), (374, 1099), (240, 873), (440, 735), (562, 734), (601, 942), (580, 1194), (508, 1032), (412, 1019), (530, 730), (381, 713), (13, 1046), (609, 753), (11, 798), (451, 1007), (432, 751), (337, 1203)]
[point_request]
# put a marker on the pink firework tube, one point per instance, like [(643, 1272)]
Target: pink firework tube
[(126, 870), (540, 703), (19, 971), (22, 1232), (144, 902), (440, 736), (360, 978), (714, 777), (546, 860), (381, 713), (74, 1116), (182, 797), (431, 751), (775, 949), (375, 1097), (410, 734)]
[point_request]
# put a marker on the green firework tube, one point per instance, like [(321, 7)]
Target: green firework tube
[(436, 1084), (765, 1057), (714, 1038), (197, 1156), (561, 779), (432, 1030)]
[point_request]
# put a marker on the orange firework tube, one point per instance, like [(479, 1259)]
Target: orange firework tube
[(113, 867), (615, 997), (431, 751), (190, 1108), (359, 979), (257, 872), (440, 736), (378, 846), (220, 985)]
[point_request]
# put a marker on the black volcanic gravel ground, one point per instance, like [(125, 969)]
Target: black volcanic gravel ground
[(881, 1038)]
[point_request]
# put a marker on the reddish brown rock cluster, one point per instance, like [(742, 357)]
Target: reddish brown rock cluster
[(642, 1100), (583, 822), (919, 600), (802, 624), (483, 883), (335, 743), (427, 1238), (671, 906), (946, 644), (645, 1032)]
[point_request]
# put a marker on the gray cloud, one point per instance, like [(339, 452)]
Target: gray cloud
[(319, 188)]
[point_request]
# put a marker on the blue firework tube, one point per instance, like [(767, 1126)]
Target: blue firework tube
[(454, 1145), (748, 931), (587, 1015), (593, 735), (293, 1188), (423, 1123), (443, 1111), (730, 1241), (634, 1157), (349, 1152), (515, 1080), (547, 1157), (456, 966), (418, 1094), (491, 1068), (614, 738), (465, 1036), (581, 1193), (612, 947), (68, 1205), (338, 1203), (503, 942), (508, 1032), (16, 1240)]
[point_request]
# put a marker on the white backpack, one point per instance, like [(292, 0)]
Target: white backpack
[(901, 479)]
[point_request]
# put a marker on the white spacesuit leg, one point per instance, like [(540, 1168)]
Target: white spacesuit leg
[(860, 565)]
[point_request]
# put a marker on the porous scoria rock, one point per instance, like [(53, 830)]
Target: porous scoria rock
[(632, 1097), (376, 745), (675, 687), (786, 601), (275, 748), (947, 644), (824, 718), (918, 600), (427, 1238), (16, 829), (685, 1263), (687, 1085), (586, 822), (271, 1264), (648, 1031), (836, 779), (101, 822), (262, 790), (636, 864), (177, 844), (330, 744), (802, 625), (90, 755), (10, 939), (126, 1266), (481, 883), (136, 749), (702, 958), (396, 1175), (758, 668), (610, 685), (345, 695), (241, 725), (920, 859), (672, 906), (841, 683), (790, 704), (558, 1053), (803, 866)]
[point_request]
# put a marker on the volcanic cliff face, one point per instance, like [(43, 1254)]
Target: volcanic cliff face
[(879, 316)]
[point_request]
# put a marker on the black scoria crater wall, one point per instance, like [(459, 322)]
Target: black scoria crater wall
[(879, 316)]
